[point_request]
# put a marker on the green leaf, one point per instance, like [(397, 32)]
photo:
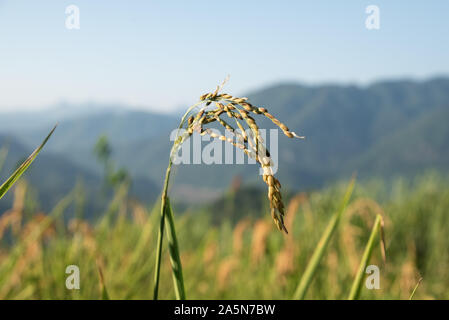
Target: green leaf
[(357, 284), (23, 167), (104, 291), (414, 290), (175, 259), (312, 266)]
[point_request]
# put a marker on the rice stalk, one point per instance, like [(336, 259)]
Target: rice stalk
[(176, 145), (364, 207), (414, 290), (238, 109), (357, 284), (312, 266), (160, 237), (175, 259)]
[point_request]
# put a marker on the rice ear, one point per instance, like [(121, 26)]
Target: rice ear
[(240, 109)]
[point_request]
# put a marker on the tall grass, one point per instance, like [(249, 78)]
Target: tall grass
[(259, 263), (214, 268), (312, 266), (377, 229), (414, 289)]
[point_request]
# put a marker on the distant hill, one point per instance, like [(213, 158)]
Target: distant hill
[(383, 129), (419, 144), (80, 128), (343, 124), (53, 176)]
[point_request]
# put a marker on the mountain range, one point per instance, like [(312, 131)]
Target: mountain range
[(385, 129)]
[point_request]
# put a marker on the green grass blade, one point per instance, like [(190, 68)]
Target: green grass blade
[(160, 240), (160, 236), (23, 167), (104, 294), (104, 291), (175, 259), (357, 284), (414, 290), (312, 266)]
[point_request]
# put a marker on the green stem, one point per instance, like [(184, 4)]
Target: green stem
[(414, 290), (175, 258), (160, 236), (157, 269), (312, 266), (357, 284)]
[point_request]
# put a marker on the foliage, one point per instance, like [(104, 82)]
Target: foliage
[(246, 260)]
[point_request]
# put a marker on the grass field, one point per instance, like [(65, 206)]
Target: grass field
[(249, 259)]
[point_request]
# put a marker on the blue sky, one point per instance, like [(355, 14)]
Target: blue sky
[(164, 54)]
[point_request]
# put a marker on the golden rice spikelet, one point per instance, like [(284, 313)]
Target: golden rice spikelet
[(276, 204), (250, 108)]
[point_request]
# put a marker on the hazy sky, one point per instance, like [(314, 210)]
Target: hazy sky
[(162, 54)]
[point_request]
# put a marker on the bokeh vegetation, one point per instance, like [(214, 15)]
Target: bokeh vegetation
[(240, 256)]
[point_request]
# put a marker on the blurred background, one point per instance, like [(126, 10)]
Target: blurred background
[(117, 76)]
